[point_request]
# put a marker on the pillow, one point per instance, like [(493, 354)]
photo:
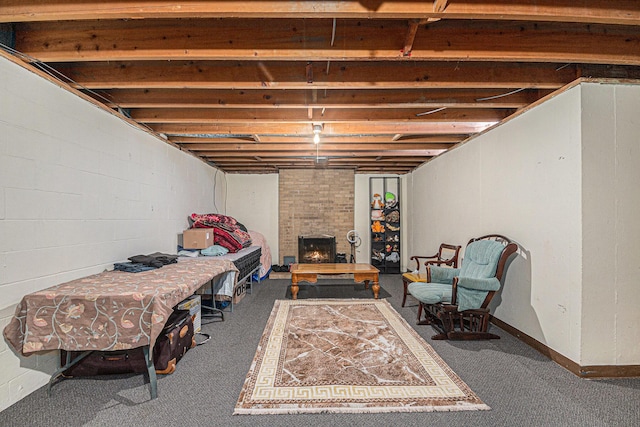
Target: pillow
[(215, 250)]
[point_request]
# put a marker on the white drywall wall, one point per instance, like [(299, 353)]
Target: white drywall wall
[(253, 200), (80, 189), (611, 225), (522, 180), (561, 180)]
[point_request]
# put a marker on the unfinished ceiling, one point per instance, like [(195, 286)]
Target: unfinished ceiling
[(386, 84)]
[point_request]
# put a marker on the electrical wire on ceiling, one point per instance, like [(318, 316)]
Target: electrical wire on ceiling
[(333, 38), (488, 98), (431, 111)]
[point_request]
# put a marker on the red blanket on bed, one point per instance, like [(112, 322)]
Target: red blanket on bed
[(227, 232)]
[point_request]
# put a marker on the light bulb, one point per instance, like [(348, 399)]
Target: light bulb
[(316, 138)]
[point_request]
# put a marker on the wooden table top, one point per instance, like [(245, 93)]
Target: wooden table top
[(323, 268)]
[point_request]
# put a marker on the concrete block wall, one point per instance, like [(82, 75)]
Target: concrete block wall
[(80, 189), (312, 202)]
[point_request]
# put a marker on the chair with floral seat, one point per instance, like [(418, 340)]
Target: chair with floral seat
[(447, 256), (455, 300)]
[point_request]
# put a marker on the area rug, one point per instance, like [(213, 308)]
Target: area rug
[(347, 355)]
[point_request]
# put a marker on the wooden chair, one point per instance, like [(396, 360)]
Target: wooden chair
[(447, 255), (455, 300)]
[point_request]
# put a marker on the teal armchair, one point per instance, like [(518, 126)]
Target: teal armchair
[(455, 300)]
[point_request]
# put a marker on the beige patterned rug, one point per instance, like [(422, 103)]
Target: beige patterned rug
[(347, 356)]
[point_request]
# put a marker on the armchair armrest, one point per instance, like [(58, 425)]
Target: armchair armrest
[(438, 274), (417, 259), (491, 284)]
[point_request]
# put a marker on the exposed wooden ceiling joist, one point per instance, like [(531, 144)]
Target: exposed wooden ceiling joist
[(366, 139), (268, 148), (299, 40), (240, 84), (341, 98), (624, 12), (358, 128), (313, 153), (333, 115), (344, 75)]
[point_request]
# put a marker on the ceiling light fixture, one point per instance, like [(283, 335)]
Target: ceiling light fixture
[(316, 133)]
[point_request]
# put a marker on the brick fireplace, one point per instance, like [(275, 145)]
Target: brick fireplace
[(314, 202)]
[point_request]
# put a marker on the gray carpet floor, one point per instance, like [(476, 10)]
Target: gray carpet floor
[(522, 387)]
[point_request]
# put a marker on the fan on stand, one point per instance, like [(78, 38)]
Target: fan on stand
[(354, 240)]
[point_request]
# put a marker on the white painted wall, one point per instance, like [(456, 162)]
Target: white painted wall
[(527, 179), (80, 189), (611, 226), (253, 200)]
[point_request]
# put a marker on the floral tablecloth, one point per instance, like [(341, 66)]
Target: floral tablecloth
[(112, 310)]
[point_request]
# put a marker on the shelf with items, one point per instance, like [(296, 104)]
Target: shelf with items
[(385, 223)]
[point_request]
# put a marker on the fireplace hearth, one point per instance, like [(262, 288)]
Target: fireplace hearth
[(316, 249)]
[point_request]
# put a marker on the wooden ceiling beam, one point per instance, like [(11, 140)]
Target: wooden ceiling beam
[(398, 171), (287, 40), (361, 161), (384, 160), (334, 115), (291, 75), (438, 6), (410, 37), (363, 128), (312, 153), (268, 139), (624, 12), (266, 148), (297, 98)]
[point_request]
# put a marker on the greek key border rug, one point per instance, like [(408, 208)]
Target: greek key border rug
[(347, 356)]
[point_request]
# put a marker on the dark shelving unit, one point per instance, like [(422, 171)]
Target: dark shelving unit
[(384, 221)]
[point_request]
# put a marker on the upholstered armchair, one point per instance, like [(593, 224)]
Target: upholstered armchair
[(455, 300), (447, 256)]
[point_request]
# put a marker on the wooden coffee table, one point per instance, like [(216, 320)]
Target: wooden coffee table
[(309, 273)]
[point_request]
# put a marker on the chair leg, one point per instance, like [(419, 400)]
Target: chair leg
[(404, 297), (426, 320)]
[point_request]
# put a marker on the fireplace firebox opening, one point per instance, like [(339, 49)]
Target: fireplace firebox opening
[(316, 249)]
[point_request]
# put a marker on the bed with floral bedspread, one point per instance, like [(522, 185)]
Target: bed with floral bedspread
[(112, 310)]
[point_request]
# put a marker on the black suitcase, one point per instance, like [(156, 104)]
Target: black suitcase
[(176, 339)]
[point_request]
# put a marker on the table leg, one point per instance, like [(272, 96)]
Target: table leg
[(294, 290), (151, 371), (376, 289), (68, 364)]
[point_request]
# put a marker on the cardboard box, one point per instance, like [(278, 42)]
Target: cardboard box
[(239, 292), (197, 238), (194, 305)]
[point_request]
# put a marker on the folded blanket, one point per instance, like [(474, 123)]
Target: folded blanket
[(156, 259), (227, 231), (132, 267)]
